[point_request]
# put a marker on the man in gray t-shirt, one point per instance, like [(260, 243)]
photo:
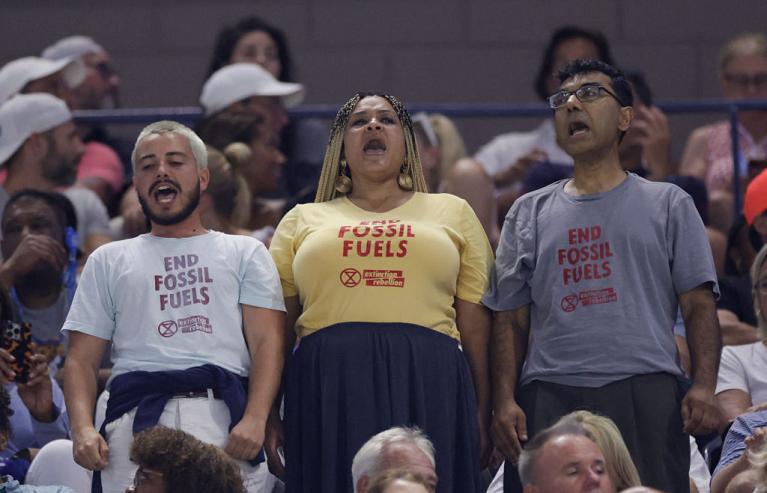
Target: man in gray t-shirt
[(589, 275)]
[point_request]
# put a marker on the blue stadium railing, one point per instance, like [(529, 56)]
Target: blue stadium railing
[(456, 110)]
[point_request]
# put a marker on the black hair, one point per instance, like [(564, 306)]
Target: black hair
[(639, 83), (621, 86), (60, 204), (230, 35), (566, 33)]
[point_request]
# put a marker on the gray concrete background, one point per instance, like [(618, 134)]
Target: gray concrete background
[(424, 51)]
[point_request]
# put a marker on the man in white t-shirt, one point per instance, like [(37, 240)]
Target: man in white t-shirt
[(195, 318)]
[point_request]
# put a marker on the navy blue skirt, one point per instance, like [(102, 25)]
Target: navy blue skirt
[(349, 381)]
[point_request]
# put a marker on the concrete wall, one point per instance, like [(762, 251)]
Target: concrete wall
[(421, 50)]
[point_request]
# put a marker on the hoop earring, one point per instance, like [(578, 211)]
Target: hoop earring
[(343, 181), (404, 180)]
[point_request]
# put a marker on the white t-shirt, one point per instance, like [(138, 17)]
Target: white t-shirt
[(504, 150), (744, 368), (174, 303)]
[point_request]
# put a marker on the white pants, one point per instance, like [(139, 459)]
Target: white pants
[(204, 418)]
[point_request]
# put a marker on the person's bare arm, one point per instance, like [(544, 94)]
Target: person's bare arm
[(735, 332), (80, 383), (694, 160), (468, 180), (507, 353), (725, 475), (733, 403), (274, 438), (473, 321), (700, 411), (265, 338)]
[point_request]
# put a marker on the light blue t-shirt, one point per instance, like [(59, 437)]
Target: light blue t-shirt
[(174, 303), (602, 274)]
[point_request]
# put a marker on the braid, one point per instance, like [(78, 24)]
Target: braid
[(330, 166)]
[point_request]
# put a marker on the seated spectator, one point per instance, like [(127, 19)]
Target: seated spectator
[(39, 243), (249, 88), (261, 169), (54, 464), (742, 380), (708, 153), (40, 148), (442, 157), (561, 458), (735, 308), (603, 432), (253, 40), (745, 437), (32, 413), (100, 169), (172, 461), (646, 147), (399, 481), (9, 483), (400, 448), (32, 74), (225, 204)]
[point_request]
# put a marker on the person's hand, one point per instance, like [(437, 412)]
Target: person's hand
[(37, 393), (273, 444), (519, 168), (654, 136), (6, 372), (509, 429), (29, 253), (90, 449), (755, 442), (700, 412), (245, 439)]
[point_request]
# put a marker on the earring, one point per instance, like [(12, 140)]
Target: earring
[(404, 180), (343, 181)]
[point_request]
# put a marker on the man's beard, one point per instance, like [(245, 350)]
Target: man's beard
[(58, 171), (185, 212)]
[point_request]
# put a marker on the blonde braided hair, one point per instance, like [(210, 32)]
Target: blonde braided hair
[(331, 164)]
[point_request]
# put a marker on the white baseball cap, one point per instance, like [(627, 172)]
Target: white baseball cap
[(16, 74), (71, 47), (238, 81), (26, 114)]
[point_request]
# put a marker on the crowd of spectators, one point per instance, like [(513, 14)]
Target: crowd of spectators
[(690, 392)]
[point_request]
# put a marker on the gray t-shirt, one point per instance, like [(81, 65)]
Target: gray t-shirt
[(601, 274)]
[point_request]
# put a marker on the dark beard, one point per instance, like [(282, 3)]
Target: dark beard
[(184, 213), (57, 171)]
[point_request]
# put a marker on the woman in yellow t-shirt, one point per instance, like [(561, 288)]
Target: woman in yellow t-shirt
[(382, 282)]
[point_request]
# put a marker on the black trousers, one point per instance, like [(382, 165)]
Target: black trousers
[(646, 409)]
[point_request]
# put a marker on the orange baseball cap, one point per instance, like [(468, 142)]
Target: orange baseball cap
[(756, 197)]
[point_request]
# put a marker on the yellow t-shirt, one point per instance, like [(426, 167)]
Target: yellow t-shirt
[(406, 265)]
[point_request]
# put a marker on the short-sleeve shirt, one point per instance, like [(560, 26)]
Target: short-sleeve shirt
[(407, 265), (744, 368), (734, 443), (602, 274), (504, 150), (174, 303)]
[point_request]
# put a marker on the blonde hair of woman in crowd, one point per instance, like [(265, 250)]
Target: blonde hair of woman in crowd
[(603, 431), (226, 202), (446, 169)]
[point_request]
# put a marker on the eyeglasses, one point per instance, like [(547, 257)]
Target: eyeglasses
[(585, 94), (744, 81), (143, 477)]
